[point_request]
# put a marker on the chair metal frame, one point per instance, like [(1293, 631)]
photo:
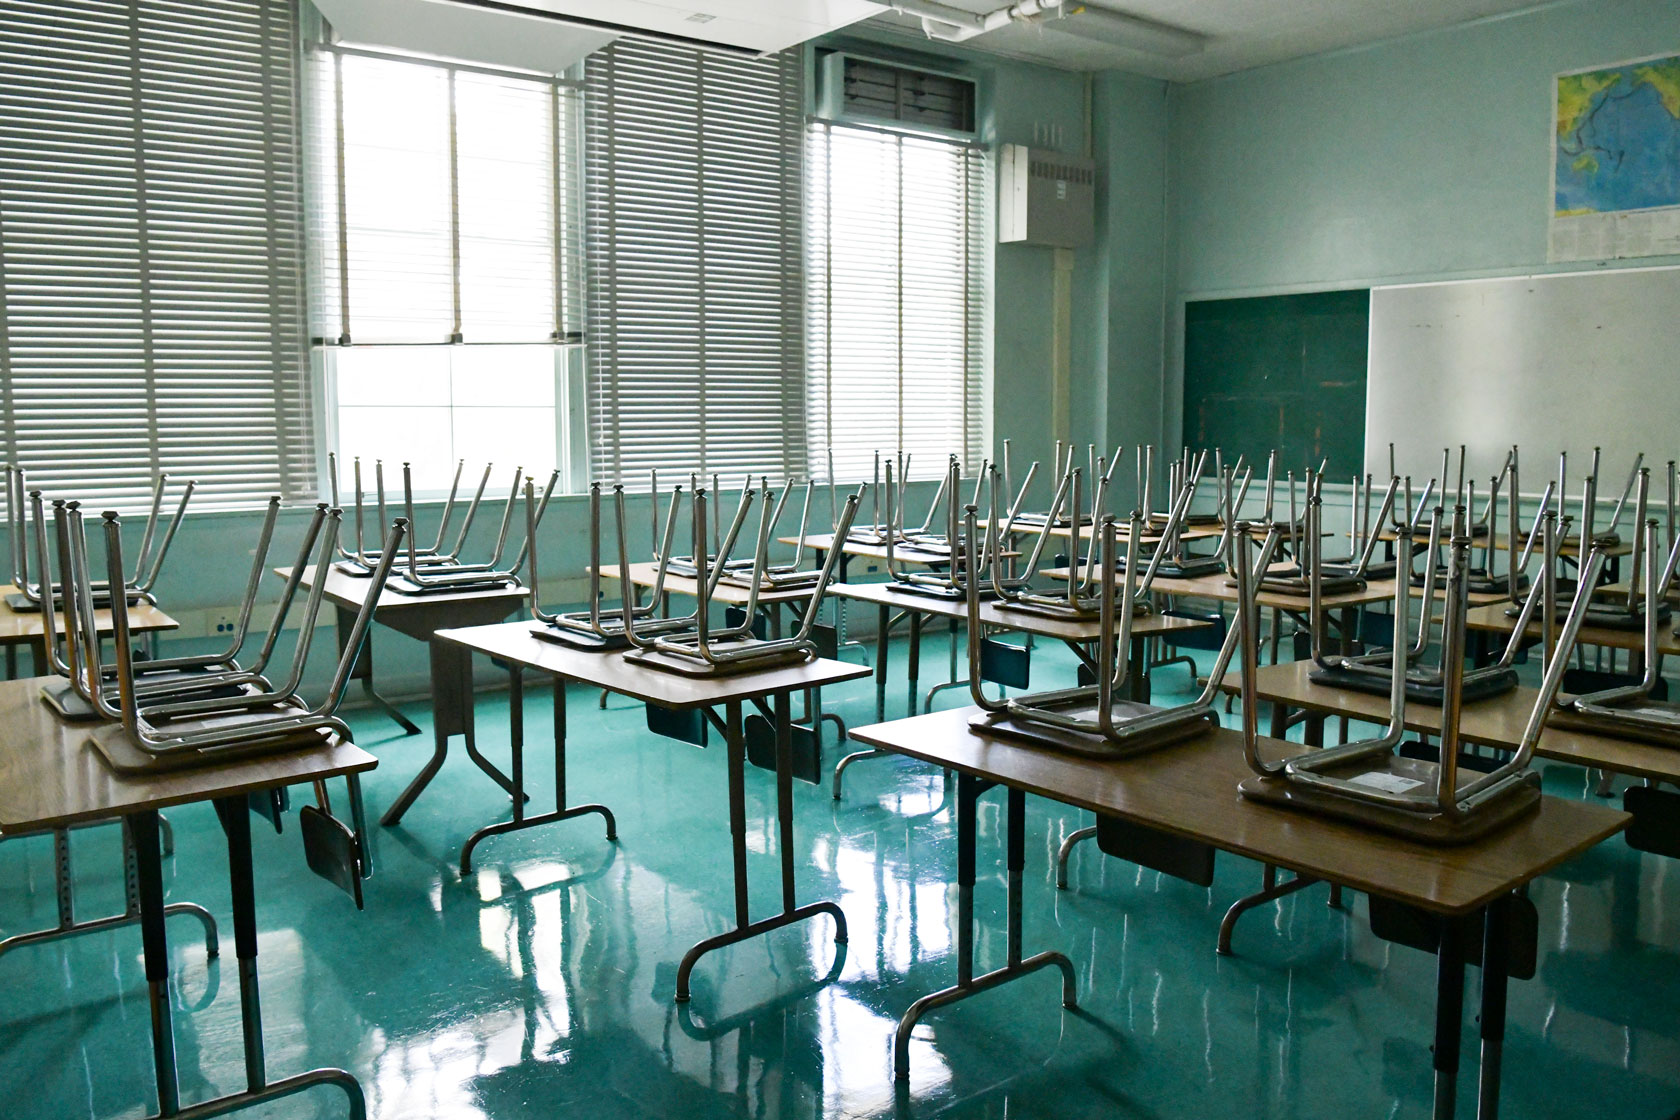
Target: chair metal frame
[(1093, 719), (709, 652), (1415, 798), (148, 565)]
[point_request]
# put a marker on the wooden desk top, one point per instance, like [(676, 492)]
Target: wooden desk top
[(1495, 722), (647, 573), (901, 555), (1123, 532), (1492, 618), (50, 777), (419, 615), (18, 627), (1191, 790), (349, 591), (1501, 543), (1217, 586), (1067, 630), (514, 641)]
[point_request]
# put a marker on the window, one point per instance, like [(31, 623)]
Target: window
[(151, 308), (694, 250), (445, 203), (896, 294)]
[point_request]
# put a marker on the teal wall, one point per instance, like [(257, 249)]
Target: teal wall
[(1419, 159), (1127, 344)]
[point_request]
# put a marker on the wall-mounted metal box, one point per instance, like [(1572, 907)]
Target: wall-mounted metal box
[(1045, 198)]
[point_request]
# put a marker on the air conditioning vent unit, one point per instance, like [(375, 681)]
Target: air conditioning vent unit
[(1045, 198), (851, 88)]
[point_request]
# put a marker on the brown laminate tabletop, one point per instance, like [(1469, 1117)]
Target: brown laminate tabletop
[(17, 627), (515, 642), (1495, 722), (51, 778), (1191, 790), (1067, 630), (1493, 619), (646, 574)]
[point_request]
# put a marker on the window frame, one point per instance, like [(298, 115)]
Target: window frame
[(331, 297)]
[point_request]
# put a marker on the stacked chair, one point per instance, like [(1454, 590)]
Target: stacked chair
[(690, 644), (28, 595), (433, 570), (197, 711), (1369, 781)]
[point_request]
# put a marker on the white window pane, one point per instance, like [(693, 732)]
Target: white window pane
[(488, 375), (418, 435), (386, 375), (508, 436), (396, 196)]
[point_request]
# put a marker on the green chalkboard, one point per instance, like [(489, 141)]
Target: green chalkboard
[(1283, 372)]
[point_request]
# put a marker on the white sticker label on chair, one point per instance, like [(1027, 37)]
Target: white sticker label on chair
[(1388, 783)]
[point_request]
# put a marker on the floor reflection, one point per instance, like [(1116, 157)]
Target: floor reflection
[(542, 983)]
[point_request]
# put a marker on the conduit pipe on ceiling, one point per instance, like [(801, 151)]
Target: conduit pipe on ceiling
[(948, 22), (953, 24)]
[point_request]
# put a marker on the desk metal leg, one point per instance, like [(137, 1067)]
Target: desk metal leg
[(1270, 891), (1495, 979), (968, 792), (745, 927), (883, 633), (562, 812), (236, 823), (1066, 850), (64, 888), (1449, 1021), (452, 714), (883, 629), (155, 946), (362, 670), (1138, 681)]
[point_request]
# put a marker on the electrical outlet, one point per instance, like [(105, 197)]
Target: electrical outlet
[(220, 623), (872, 569)]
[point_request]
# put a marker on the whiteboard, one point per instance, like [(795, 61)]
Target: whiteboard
[(1550, 363)]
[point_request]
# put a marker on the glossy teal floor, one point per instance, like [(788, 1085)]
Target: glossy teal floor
[(541, 986)]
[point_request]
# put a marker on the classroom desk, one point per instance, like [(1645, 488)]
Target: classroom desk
[(1571, 547), (1492, 619), (1076, 634), (1495, 722), (515, 644), (646, 574), (24, 628), (1189, 793), (416, 616), (50, 779), (1123, 532)]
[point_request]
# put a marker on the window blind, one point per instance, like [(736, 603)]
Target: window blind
[(896, 300), (693, 238), (150, 248), (443, 202)]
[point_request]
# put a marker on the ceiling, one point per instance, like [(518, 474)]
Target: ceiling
[(1240, 33), (760, 25)]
